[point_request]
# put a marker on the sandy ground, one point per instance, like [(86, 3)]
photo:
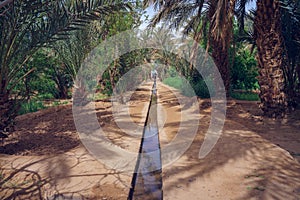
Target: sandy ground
[(255, 157)]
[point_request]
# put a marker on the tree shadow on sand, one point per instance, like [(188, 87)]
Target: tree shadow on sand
[(281, 132), (245, 162), (53, 163), (46, 132), (56, 178)]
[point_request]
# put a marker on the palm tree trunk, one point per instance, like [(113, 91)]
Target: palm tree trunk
[(270, 49), (61, 85), (63, 92), (80, 93), (7, 111), (298, 73), (221, 59), (112, 76), (221, 30), (4, 108)]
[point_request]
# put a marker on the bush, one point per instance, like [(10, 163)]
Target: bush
[(244, 71), (188, 89), (173, 72), (201, 88), (45, 96), (248, 96), (30, 106), (175, 82), (99, 96), (45, 86)]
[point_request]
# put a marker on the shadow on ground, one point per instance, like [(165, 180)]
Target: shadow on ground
[(45, 159), (246, 163)]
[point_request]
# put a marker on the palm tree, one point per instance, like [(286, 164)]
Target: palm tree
[(211, 19), (165, 40), (27, 25), (289, 11), (290, 14), (221, 15), (270, 51)]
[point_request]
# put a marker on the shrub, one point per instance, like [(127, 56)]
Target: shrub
[(175, 82), (187, 89), (190, 89), (30, 106), (248, 96), (201, 88), (244, 71), (45, 96)]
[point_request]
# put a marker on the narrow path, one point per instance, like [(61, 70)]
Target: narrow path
[(147, 179)]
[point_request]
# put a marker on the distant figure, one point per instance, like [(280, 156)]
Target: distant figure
[(154, 74)]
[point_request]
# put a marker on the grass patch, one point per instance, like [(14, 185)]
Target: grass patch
[(34, 105), (58, 103), (248, 96), (200, 89), (175, 82), (45, 96), (30, 106), (188, 89), (99, 96)]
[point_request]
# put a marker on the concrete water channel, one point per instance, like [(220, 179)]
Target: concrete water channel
[(147, 180)]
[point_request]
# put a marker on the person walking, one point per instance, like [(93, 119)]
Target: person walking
[(154, 74)]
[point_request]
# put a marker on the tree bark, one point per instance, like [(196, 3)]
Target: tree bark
[(63, 92), (298, 73), (221, 59), (270, 58), (8, 111), (221, 37), (80, 93)]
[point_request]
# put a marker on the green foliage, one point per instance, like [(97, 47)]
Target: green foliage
[(105, 85), (73, 52), (37, 104), (244, 71), (248, 96), (173, 72), (189, 89), (47, 78), (201, 88), (56, 103), (30, 106), (175, 82), (99, 96), (44, 96), (45, 87), (26, 26)]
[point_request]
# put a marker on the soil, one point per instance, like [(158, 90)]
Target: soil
[(254, 158)]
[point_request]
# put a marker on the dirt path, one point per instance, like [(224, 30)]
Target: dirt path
[(48, 160), (255, 158), (243, 164)]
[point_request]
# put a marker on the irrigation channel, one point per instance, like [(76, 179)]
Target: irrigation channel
[(146, 182)]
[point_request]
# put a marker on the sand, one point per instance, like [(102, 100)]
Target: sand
[(255, 157)]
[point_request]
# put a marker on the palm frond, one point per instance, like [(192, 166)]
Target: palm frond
[(26, 25)]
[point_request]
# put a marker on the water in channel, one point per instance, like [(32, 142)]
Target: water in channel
[(147, 180)]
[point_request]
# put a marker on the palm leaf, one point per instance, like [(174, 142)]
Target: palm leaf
[(26, 25)]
